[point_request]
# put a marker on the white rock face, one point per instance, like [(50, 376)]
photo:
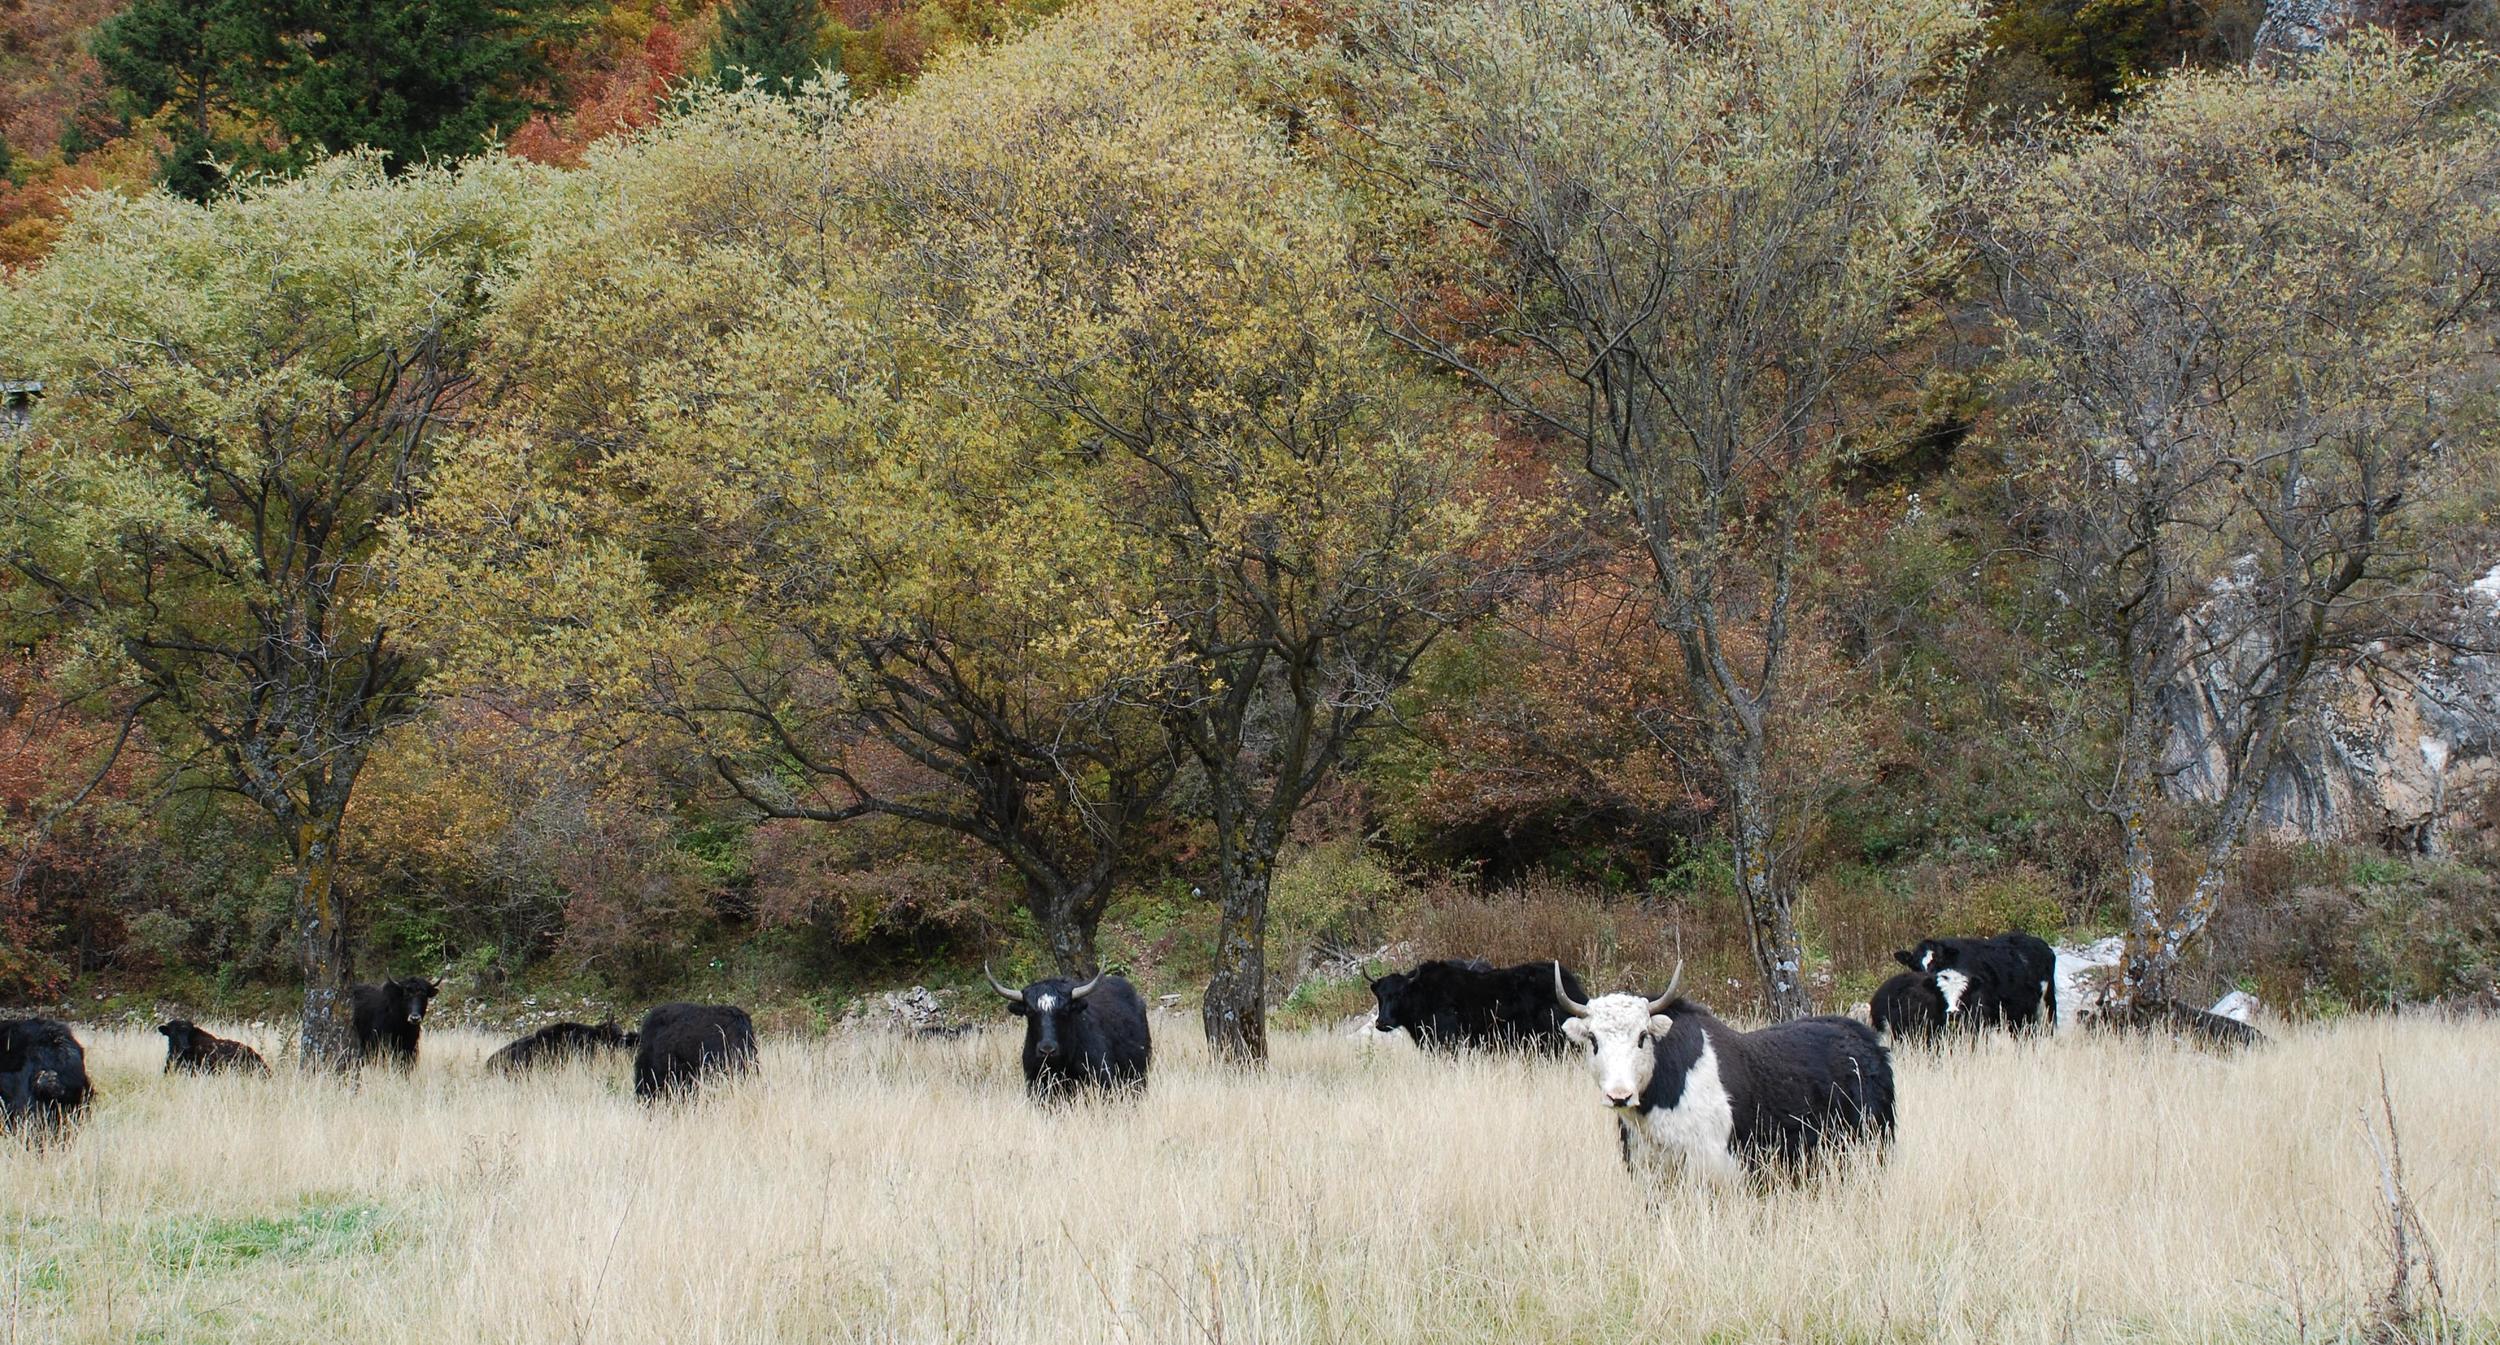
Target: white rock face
[(2396, 744)]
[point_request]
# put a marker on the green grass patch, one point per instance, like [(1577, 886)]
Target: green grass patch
[(318, 1232)]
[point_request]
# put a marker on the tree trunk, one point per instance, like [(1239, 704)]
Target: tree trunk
[(1235, 1011), (1068, 917), (321, 926), (1770, 909)]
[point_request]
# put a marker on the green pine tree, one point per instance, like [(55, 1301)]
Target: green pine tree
[(421, 80), (778, 44), (202, 60)]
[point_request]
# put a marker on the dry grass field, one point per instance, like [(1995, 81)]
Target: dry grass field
[(881, 1189)]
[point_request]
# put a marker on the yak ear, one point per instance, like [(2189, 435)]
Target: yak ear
[(1577, 1029), (1016, 1007), (1902, 956)]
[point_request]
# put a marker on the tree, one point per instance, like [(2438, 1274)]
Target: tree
[(1671, 236), (847, 584), (2251, 328), (1145, 276), (777, 44), (204, 63), (419, 80), (239, 397)]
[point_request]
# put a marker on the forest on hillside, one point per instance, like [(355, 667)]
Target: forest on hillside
[(788, 500)]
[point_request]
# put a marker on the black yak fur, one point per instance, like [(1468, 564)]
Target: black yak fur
[(389, 1016), (1098, 1042), (683, 1043), (191, 1049), (557, 1043), (2013, 979), (43, 1076), (1447, 1005), (1908, 1007)]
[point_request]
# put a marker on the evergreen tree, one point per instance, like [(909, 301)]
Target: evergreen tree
[(204, 61), (775, 43), (421, 80)]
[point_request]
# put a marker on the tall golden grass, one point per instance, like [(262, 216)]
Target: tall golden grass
[(883, 1189)]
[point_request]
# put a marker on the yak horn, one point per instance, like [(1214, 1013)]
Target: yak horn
[(1563, 997), (1016, 995), (1086, 989), (1659, 1005)]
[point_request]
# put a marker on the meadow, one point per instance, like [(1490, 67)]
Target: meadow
[(880, 1188)]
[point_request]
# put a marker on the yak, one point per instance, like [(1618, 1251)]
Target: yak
[(43, 1076), (191, 1049), (2009, 981), (389, 1016), (1909, 1007), (1690, 1092), (680, 1044), (557, 1043), (1449, 1004), (1080, 1037)]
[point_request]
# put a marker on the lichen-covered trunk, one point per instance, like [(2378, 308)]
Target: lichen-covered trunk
[(1235, 1010), (1068, 917), (1770, 908), (326, 1038)]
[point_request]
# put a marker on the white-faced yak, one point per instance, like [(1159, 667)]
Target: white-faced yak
[(1691, 1093)]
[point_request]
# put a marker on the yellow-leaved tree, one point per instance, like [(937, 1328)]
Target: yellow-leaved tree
[(239, 398)]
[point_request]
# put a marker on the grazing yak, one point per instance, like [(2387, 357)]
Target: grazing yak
[(681, 1043), (1908, 1007), (1689, 1091), (1080, 1036), (557, 1043), (389, 1017), (43, 1075), (2009, 981), (190, 1049), (1452, 1004)]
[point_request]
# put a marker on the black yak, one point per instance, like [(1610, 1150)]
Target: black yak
[(559, 1042), (1076, 1036), (1452, 1004), (43, 1075), (389, 1016), (191, 1049), (682, 1043), (1909, 1007)]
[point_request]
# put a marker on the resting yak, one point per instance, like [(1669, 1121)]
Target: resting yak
[(1447, 1005), (389, 1016), (43, 1076), (191, 1049), (557, 1043), (1089, 1036), (1691, 1092), (682, 1043)]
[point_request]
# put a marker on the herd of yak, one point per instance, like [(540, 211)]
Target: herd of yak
[(1687, 1090)]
